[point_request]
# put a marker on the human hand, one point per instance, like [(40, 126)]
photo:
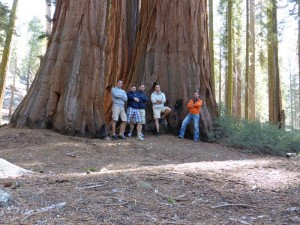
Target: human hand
[(136, 99)]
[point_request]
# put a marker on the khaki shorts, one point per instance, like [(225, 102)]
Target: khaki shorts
[(158, 111), (143, 115), (118, 112)]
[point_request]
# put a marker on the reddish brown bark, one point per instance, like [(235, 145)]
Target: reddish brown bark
[(123, 23), (94, 43), (67, 93), (172, 49)]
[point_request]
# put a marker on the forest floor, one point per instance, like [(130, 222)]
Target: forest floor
[(162, 180)]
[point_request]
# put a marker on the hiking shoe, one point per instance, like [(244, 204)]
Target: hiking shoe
[(114, 137), (140, 138), (142, 135), (121, 137), (129, 135)]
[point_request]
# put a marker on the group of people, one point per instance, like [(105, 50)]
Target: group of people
[(136, 111)]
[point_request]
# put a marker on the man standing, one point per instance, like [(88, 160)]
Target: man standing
[(194, 107), (158, 100), (141, 108), (119, 98), (132, 110)]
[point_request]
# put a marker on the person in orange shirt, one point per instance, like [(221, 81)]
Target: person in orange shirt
[(194, 107)]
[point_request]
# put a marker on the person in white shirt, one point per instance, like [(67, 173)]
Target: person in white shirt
[(158, 100)]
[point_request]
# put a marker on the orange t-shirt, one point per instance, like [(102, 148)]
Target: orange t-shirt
[(194, 107)]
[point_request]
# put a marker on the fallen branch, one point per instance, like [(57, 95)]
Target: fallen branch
[(90, 187), (45, 209), (241, 221), (226, 205)]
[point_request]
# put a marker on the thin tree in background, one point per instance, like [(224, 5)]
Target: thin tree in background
[(4, 17), (35, 45), (237, 64), (229, 79), (48, 17), (250, 61), (6, 53), (211, 45), (275, 102), (299, 60)]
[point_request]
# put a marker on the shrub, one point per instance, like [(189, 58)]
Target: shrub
[(254, 136)]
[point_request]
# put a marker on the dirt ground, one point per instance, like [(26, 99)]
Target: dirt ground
[(163, 180)]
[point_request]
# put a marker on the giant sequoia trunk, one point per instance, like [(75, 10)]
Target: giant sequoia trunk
[(67, 93), (172, 49), (123, 23), (96, 42)]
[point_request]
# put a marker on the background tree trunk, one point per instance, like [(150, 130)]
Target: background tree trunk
[(172, 49), (229, 79), (275, 102), (67, 92), (211, 45), (6, 53)]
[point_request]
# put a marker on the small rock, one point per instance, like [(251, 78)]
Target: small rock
[(4, 198)]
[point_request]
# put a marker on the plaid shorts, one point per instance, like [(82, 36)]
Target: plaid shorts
[(133, 113)]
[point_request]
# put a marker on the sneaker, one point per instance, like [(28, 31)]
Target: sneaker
[(142, 135), (130, 134), (114, 137), (140, 138), (180, 137), (157, 134), (121, 137)]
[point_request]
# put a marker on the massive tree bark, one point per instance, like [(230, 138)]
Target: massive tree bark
[(123, 24), (95, 43), (172, 49), (67, 93), (6, 53)]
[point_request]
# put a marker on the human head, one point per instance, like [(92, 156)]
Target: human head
[(142, 87), (120, 83), (196, 94), (157, 88), (133, 88)]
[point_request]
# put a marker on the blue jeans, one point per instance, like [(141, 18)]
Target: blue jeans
[(186, 121)]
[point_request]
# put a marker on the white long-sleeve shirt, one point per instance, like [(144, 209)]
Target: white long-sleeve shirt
[(158, 96)]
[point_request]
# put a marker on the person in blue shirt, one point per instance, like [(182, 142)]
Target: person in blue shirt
[(132, 110), (119, 98), (141, 108)]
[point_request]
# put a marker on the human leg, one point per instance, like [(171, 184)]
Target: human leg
[(185, 122), (123, 123), (196, 119), (166, 112), (157, 114)]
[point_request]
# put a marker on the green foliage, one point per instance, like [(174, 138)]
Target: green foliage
[(255, 136), (35, 45), (4, 16)]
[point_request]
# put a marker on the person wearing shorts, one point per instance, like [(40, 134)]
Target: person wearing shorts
[(158, 100), (141, 108), (119, 98), (132, 110)]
